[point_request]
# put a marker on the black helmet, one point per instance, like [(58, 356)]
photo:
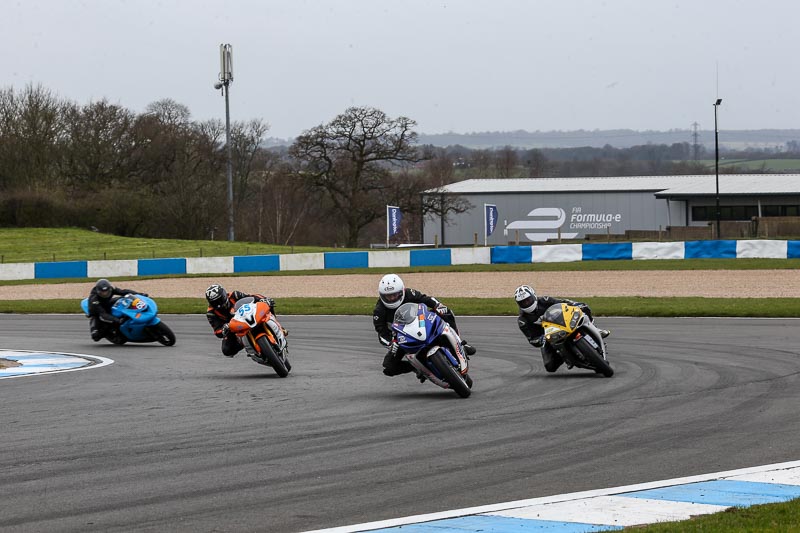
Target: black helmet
[(216, 296), (104, 288)]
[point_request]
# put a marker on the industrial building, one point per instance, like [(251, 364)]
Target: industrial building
[(541, 209)]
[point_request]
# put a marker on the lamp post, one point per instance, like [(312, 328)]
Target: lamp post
[(716, 158), (225, 80)]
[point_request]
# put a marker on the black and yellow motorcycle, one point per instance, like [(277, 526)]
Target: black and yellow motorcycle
[(570, 331)]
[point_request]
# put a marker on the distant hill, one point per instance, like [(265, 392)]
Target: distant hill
[(731, 139)]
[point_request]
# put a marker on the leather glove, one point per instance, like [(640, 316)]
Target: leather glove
[(225, 330), (144, 294), (441, 309), (271, 303)]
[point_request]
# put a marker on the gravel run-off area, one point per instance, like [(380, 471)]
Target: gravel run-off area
[(576, 284)]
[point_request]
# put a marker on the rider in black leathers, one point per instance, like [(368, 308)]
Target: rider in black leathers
[(531, 309), (102, 324), (220, 313), (392, 294)]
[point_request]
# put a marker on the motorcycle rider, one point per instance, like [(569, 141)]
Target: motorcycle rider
[(531, 309), (392, 293), (220, 312), (102, 323)]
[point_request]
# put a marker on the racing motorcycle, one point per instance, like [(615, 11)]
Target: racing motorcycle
[(261, 334), (432, 347), (140, 320), (568, 329)]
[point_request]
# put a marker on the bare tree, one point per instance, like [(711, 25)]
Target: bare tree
[(30, 126), (350, 159), (98, 146), (506, 160), (481, 160)]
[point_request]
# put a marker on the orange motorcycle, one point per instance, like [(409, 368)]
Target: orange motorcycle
[(261, 334)]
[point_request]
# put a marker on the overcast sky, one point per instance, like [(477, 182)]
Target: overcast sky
[(460, 65)]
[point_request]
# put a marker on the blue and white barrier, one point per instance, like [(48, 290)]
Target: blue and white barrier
[(553, 253)]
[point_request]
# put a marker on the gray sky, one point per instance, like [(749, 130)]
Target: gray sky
[(461, 66)]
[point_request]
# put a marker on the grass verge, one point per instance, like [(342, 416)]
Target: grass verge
[(783, 517), (31, 245), (605, 306)]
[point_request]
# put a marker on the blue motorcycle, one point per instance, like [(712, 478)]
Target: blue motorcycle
[(140, 320), (432, 348)]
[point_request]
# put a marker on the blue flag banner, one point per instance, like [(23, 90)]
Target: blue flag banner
[(490, 218), (393, 219)]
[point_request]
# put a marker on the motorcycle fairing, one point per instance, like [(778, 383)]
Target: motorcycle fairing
[(416, 326)]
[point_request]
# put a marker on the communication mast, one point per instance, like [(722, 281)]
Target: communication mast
[(224, 83), (695, 136)]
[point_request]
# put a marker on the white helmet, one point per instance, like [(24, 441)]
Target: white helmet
[(391, 291), (526, 298)]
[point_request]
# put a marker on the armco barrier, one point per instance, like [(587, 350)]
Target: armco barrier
[(551, 253)]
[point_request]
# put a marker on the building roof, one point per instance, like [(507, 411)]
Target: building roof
[(663, 186), (736, 185)]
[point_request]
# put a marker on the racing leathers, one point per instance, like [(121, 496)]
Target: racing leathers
[(101, 322), (382, 318), (219, 317), (532, 329), (529, 325)]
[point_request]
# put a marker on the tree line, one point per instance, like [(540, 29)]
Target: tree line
[(161, 174)]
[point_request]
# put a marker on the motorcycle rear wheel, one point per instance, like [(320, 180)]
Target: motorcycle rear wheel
[(272, 358), (450, 374), (594, 358)]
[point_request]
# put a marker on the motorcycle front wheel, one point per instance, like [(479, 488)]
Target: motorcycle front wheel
[(450, 374), (594, 358), (163, 334), (272, 358)]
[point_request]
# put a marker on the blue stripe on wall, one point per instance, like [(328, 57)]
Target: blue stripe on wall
[(709, 250), (595, 252), (256, 263), (430, 257), (155, 267), (793, 250), (346, 260), (512, 254), (61, 269)]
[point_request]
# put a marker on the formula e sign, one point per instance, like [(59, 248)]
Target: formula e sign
[(547, 222)]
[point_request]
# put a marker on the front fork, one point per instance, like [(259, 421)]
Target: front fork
[(595, 333), (272, 330)]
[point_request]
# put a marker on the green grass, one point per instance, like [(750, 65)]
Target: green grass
[(30, 245), (769, 165), (776, 517), (605, 306)]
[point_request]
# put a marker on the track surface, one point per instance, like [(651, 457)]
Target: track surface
[(184, 439)]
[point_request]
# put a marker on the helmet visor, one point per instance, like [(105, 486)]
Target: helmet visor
[(104, 292), (527, 302), (392, 297)]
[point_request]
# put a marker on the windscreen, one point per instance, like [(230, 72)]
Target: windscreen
[(554, 315), (406, 314), (242, 302)]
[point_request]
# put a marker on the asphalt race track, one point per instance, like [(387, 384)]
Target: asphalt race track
[(184, 439)]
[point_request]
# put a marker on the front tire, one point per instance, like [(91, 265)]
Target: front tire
[(272, 358), (450, 374), (163, 334), (594, 358)]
